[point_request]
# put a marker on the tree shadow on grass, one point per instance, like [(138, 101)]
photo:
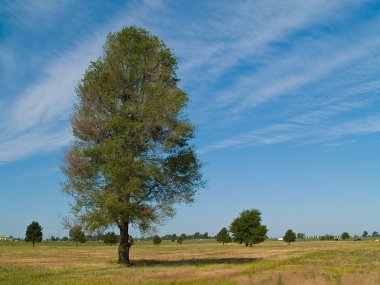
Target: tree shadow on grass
[(195, 262)]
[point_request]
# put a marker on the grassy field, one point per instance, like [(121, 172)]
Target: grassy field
[(272, 262)]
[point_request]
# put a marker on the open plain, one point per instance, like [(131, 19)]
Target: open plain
[(193, 262)]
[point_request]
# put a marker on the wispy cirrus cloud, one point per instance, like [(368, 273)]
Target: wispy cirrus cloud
[(236, 59), (321, 81), (37, 119), (20, 145), (329, 135)]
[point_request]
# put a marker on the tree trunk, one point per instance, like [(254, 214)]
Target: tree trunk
[(124, 245)]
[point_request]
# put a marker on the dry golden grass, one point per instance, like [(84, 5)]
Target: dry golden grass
[(271, 262)]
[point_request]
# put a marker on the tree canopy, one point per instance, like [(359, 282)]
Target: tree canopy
[(110, 238), (223, 236), (345, 236), (76, 234), (156, 240), (131, 159), (33, 233), (289, 236), (301, 235), (247, 228)]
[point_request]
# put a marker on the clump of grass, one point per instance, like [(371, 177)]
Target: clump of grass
[(280, 281)]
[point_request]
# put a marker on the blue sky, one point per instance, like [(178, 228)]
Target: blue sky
[(285, 96)]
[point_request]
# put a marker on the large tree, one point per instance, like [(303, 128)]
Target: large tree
[(131, 159), (247, 228), (33, 233)]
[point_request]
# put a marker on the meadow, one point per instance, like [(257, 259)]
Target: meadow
[(196, 262)]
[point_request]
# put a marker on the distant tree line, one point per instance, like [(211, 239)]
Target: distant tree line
[(196, 235), (245, 229)]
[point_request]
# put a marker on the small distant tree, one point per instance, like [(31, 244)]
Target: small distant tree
[(197, 235), (247, 228), (65, 239), (289, 236), (33, 233), (156, 240), (301, 235), (110, 238), (223, 236), (180, 239), (76, 234), (365, 234), (375, 234), (345, 236)]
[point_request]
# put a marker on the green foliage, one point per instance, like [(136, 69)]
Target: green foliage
[(327, 237), (180, 239), (247, 228), (131, 159), (196, 235), (223, 236), (156, 240), (110, 238), (301, 235), (33, 233), (289, 236), (171, 237), (365, 234), (375, 234), (76, 234), (345, 236)]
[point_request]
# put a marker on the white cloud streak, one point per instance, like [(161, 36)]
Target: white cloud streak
[(37, 121), (210, 51), (280, 133)]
